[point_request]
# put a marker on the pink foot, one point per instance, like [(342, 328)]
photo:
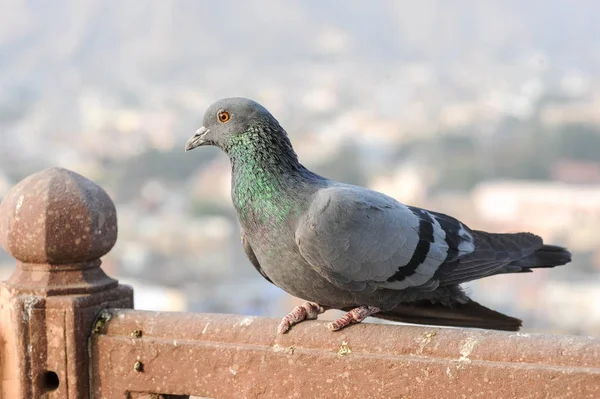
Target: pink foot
[(356, 315), (306, 311)]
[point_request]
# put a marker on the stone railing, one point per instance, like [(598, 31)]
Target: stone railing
[(69, 331)]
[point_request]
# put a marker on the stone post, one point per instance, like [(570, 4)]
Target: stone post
[(57, 224)]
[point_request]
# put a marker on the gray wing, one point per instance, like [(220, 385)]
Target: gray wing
[(360, 240), (252, 257)]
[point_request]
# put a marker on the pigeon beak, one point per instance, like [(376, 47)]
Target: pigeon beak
[(197, 139)]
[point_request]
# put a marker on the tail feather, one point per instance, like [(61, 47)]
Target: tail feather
[(546, 256), (501, 254), (470, 314), (494, 254)]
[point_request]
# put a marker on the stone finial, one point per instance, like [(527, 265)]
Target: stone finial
[(58, 221), (57, 224), (57, 216)]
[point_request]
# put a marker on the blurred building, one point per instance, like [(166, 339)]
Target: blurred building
[(568, 213)]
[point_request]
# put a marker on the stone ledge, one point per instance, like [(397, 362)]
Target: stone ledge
[(224, 356)]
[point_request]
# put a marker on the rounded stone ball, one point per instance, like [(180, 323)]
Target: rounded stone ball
[(57, 216)]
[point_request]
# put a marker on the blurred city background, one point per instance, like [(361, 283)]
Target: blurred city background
[(485, 110)]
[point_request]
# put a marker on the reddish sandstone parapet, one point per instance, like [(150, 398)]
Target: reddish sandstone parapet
[(228, 356), (57, 224)]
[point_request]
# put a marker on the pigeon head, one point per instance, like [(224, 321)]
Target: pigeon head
[(232, 120)]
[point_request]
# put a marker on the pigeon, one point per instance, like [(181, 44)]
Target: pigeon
[(345, 247)]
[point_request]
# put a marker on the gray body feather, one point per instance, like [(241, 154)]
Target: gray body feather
[(346, 247)]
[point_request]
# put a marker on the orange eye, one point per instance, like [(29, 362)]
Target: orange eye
[(223, 116)]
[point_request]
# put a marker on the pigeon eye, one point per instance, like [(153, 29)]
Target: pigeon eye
[(223, 116)]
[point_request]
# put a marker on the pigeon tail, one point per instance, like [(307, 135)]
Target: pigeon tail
[(546, 256), (502, 254), (470, 315)]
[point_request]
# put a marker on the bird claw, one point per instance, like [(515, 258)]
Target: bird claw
[(356, 315), (306, 311)]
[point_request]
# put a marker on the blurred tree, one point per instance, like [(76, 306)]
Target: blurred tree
[(172, 166), (522, 150), (578, 141), (454, 157), (212, 208), (15, 104), (345, 166)]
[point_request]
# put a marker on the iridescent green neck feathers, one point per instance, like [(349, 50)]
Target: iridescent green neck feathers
[(264, 165)]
